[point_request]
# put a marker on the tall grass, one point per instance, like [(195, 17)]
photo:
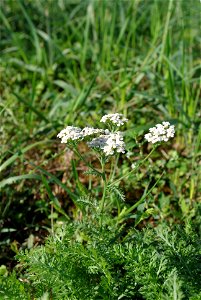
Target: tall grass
[(63, 45)]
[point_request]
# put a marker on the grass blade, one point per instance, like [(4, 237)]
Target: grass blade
[(53, 199), (57, 181), (13, 179)]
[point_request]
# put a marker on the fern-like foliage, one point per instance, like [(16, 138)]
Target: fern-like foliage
[(118, 193), (84, 261), (12, 288)]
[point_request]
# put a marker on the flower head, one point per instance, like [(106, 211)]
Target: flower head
[(109, 143), (106, 141), (159, 133), (70, 133), (90, 131), (116, 119)]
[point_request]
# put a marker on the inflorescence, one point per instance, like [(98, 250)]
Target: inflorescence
[(109, 142), (71, 133), (99, 139), (159, 133), (116, 119)]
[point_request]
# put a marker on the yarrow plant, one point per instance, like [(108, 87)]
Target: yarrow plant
[(110, 142)]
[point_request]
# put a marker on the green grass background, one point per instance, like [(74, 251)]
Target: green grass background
[(71, 61)]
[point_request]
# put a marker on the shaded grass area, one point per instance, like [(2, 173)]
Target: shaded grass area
[(69, 62)]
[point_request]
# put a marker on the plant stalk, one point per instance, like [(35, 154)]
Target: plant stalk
[(132, 171), (104, 181), (126, 212)]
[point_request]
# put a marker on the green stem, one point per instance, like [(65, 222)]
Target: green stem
[(76, 151), (102, 160), (113, 168), (139, 164), (104, 180), (126, 212), (103, 196)]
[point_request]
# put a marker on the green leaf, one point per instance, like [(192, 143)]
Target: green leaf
[(14, 179), (117, 192), (145, 215), (53, 199)]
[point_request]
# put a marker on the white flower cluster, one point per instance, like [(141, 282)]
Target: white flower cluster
[(88, 131), (117, 119), (159, 133), (109, 143), (71, 133)]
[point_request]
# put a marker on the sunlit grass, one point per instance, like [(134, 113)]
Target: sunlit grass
[(70, 62)]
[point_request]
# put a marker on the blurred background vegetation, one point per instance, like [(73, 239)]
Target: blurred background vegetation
[(68, 62)]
